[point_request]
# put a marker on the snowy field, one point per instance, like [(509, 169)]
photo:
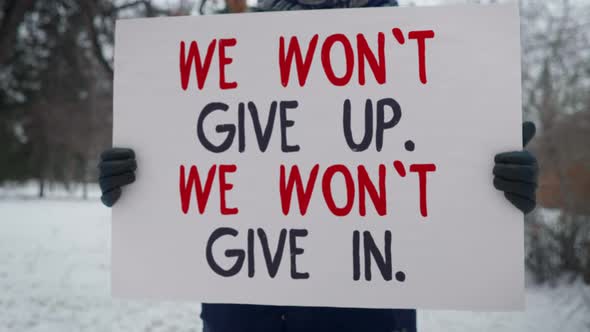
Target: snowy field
[(54, 276)]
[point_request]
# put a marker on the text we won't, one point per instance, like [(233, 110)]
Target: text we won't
[(362, 188), (357, 53)]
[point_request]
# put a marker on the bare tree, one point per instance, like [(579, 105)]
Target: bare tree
[(556, 82)]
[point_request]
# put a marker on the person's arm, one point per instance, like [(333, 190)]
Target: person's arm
[(116, 169), (516, 172)]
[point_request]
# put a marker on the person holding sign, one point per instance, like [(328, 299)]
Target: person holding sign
[(515, 174)]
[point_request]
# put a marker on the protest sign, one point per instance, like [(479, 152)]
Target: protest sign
[(320, 158)]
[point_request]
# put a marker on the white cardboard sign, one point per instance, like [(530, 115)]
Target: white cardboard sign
[(352, 171)]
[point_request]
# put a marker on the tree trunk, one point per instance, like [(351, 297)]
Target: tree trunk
[(41, 187), (85, 188)]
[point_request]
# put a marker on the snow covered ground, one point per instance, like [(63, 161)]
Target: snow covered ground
[(54, 276)]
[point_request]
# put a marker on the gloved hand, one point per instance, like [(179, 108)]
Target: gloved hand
[(515, 173), (117, 167)]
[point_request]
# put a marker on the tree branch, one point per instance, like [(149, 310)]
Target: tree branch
[(13, 14), (89, 12)]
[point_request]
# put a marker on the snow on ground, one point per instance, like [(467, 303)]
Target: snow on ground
[(54, 276)]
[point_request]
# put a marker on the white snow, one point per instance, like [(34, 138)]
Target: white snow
[(54, 276)]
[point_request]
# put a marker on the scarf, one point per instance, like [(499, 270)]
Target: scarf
[(279, 5)]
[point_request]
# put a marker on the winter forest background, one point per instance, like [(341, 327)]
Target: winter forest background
[(55, 118)]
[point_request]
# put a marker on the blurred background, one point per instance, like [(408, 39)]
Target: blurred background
[(56, 70)]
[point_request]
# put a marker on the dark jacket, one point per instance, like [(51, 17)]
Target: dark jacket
[(259, 318)]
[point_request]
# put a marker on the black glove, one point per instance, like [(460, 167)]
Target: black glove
[(515, 173), (117, 167)]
